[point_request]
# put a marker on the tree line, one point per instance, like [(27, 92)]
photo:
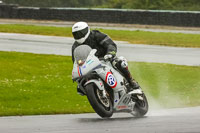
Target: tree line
[(157, 4), (120, 4), (56, 3)]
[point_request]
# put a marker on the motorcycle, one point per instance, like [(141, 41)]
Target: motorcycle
[(104, 86)]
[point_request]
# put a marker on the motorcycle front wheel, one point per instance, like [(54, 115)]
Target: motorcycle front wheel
[(102, 105)]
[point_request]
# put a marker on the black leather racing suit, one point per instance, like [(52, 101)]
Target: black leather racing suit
[(99, 41)]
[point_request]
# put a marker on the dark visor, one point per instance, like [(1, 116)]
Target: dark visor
[(80, 34)]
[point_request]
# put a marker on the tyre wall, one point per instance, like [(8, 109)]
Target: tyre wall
[(144, 17)]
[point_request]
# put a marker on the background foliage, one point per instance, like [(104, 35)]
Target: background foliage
[(130, 4)]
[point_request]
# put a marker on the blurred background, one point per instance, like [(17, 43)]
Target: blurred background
[(187, 5), (183, 13)]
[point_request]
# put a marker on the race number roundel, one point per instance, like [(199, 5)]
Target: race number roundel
[(110, 80)]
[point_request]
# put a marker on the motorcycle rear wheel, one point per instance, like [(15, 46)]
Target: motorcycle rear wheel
[(101, 107), (141, 106)]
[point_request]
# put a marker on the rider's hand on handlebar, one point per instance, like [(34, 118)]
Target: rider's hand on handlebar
[(108, 57)]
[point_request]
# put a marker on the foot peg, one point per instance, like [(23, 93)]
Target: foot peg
[(136, 91)]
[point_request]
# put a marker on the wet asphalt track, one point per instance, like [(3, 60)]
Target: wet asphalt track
[(133, 52), (186, 120)]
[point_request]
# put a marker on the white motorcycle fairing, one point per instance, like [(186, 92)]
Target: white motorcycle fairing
[(122, 100)]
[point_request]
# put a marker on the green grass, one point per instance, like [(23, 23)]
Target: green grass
[(32, 84), (38, 84), (137, 37)]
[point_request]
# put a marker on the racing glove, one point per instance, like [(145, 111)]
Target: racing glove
[(110, 55)]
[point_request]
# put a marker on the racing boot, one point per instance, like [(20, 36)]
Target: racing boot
[(122, 66), (132, 83)]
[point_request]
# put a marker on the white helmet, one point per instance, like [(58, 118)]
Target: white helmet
[(80, 31)]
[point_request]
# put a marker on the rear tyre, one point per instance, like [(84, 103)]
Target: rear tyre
[(141, 106), (101, 105)]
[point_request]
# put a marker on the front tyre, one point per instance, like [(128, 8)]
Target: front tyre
[(101, 105)]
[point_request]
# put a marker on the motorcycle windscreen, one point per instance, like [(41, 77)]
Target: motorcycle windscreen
[(81, 53)]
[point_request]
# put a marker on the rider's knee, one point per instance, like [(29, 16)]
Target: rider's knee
[(120, 62)]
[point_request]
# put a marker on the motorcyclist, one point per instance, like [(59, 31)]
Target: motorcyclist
[(106, 48)]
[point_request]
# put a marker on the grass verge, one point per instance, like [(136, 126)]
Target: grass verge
[(136, 37), (38, 84), (32, 84)]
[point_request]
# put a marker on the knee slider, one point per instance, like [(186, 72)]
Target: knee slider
[(124, 63)]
